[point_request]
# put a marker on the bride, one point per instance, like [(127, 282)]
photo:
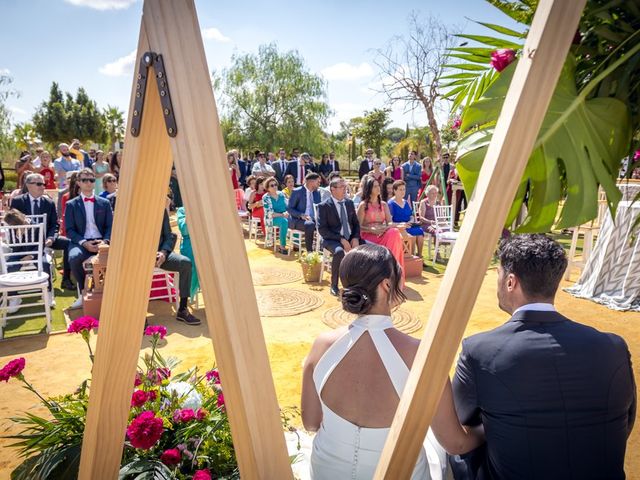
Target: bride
[(353, 378)]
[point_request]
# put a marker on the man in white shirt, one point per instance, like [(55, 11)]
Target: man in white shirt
[(261, 168), (88, 220)]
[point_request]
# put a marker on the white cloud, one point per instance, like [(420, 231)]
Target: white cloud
[(120, 67), (343, 112), (346, 71), (5, 71), (213, 33), (103, 4), (17, 110)]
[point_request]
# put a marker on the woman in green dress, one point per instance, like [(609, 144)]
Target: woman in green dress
[(187, 250)]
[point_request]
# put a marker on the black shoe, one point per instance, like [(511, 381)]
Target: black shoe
[(334, 291), (67, 284), (186, 317)]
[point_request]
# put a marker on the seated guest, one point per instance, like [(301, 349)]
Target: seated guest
[(338, 226), (357, 196), (109, 188), (354, 376), (187, 250), (300, 208), (426, 214), (36, 203), (556, 398), (325, 192), (325, 169), (289, 185), (168, 260), (46, 170), (87, 220), (374, 218), (251, 187), (255, 203), (386, 189), (275, 206), (402, 212)]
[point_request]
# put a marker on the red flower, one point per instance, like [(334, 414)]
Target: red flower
[(220, 400), (139, 398), (202, 475), (153, 395), (12, 369), (636, 156), (500, 59), (171, 457), (152, 330), (185, 415), (201, 414), (82, 324), (145, 430), (213, 375), (456, 123), (138, 381)]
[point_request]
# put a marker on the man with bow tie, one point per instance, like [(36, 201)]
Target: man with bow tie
[(88, 220)]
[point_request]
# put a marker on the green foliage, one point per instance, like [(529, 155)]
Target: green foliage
[(114, 125), (272, 100), (7, 147), (394, 134), (579, 146), (371, 128), (24, 136), (63, 117)]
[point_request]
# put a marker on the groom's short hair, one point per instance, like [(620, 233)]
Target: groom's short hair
[(537, 260)]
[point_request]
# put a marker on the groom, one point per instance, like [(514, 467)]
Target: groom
[(556, 398)]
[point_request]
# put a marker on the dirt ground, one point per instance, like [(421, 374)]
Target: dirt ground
[(57, 363)]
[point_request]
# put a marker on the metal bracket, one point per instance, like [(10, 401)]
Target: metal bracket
[(152, 59)]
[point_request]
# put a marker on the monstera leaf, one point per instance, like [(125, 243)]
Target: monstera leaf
[(579, 147)]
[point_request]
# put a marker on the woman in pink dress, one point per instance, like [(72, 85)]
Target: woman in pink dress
[(427, 171), (374, 218), (394, 170)]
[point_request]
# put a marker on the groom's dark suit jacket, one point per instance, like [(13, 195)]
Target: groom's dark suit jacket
[(556, 398), (330, 225)]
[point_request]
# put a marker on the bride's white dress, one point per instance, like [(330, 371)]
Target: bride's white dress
[(342, 450)]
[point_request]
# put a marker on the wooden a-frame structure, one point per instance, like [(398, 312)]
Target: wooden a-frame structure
[(180, 125)]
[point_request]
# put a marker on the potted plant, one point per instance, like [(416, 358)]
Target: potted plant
[(311, 262)]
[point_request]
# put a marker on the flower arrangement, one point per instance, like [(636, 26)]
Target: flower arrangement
[(177, 428), (310, 258), (310, 262)]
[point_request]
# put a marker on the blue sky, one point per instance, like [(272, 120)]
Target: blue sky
[(90, 44)]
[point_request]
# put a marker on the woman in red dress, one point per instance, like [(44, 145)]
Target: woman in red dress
[(427, 171), (233, 168), (255, 203)]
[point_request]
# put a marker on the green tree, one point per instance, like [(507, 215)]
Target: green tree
[(6, 140), (114, 125), (63, 117), (24, 136), (371, 128), (394, 134), (272, 100)]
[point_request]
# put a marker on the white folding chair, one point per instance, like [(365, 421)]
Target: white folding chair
[(327, 256), (295, 238), (21, 251), (272, 231), (169, 289), (444, 231), (254, 228)]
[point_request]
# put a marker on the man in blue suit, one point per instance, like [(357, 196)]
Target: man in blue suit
[(88, 221), (338, 226), (299, 168), (36, 203), (556, 398), (412, 177), (300, 208)]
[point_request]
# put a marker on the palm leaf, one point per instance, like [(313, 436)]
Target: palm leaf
[(491, 41), (503, 30), (585, 139)]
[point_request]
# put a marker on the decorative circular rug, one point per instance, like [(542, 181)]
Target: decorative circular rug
[(284, 302), (403, 320), (274, 276)]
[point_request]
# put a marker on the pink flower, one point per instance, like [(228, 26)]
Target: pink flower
[(456, 123), (139, 398), (221, 400), (145, 430), (138, 381), (82, 324), (153, 395), (158, 375), (185, 415), (636, 156), (213, 375), (201, 414), (171, 457), (202, 475), (152, 330), (12, 369), (500, 59)]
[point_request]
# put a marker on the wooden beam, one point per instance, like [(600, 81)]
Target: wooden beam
[(144, 178), (170, 28), (530, 92)]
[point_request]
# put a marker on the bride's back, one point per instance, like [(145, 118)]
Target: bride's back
[(359, 388)]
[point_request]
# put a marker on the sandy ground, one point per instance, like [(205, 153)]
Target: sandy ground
[(56, 364)]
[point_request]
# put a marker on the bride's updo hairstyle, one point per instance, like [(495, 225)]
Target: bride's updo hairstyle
[(361, 271)]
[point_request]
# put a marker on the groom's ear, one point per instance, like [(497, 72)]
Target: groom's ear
[(512, 282)]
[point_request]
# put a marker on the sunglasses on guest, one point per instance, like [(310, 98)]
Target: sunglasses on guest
[(39, 184), (85, 180), (111, 181)]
